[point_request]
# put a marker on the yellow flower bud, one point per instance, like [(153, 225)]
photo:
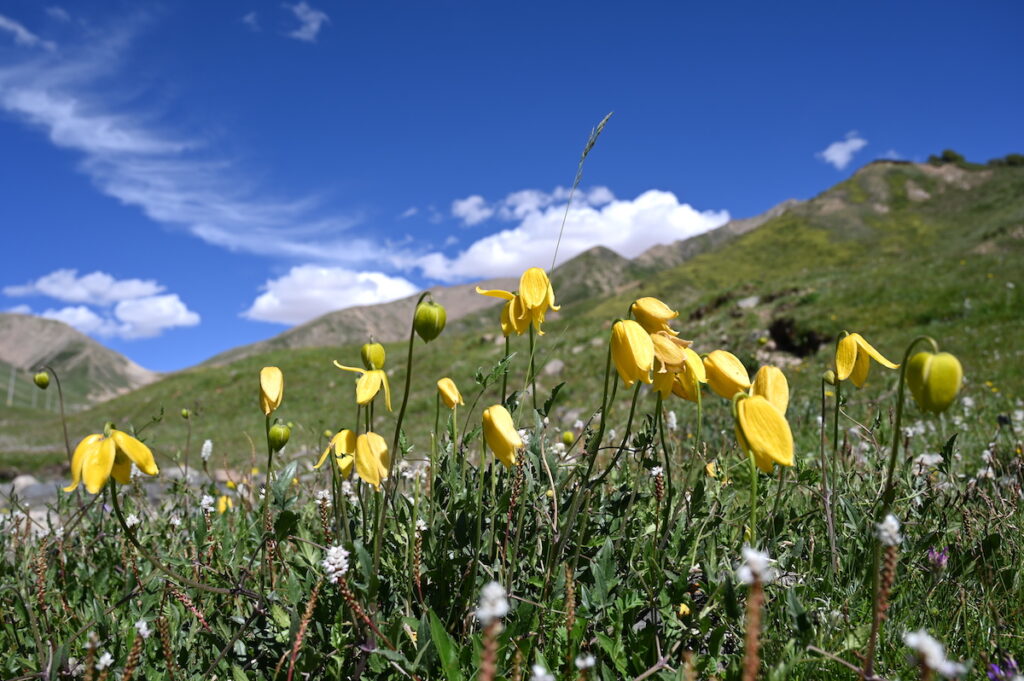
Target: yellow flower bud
[(372, 355), (762, 430), (829, 377), (271, 389), (934, 380), (429, 320), (501, 435), (653, 315), (185, 414), (726, 374), (770, 383), (42, 380), (449, 392), (632, 351)]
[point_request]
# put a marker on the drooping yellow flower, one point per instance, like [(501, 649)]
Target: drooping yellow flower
[(632, 352), (501, 435), (669, 360), (515, 318), (372, 458), (99, 456), (687, 382), (537, 295), (762, 430), (449, 392), (654, 315), (224, 503), (726, 374), (271, 389), (343, 444), (369, 384), (770, 383), (853, 359), (934, 380)]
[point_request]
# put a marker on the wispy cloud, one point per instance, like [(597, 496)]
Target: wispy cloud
[(58, 13), (311, 20), (252, 21), (95, 288), (840, 153), (23, 36)]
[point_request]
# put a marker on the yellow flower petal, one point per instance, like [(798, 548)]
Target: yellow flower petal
[(271, 389), (368, 386), (764, 431), (343, 442), (85, 447), (533, 287), (861, 367), (372, 458), (663, 383), (122, 469), (670, 354), (853, 359), (632, 352), (770, 383), (846, 355), (653, 315), (387, 389), (501, 435), (449, 392), (726, 374), (864, 346), (496, 293), (136, 451), (358, 370), (96, 465), (345, 464)]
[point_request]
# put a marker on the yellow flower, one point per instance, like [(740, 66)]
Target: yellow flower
[(687, 382), (853, 359), (726, 374), (632, 351), (344, 446), (271, 389), (224, 503), (372, 458), (684, 610), (515, 318), (934, 380), (670, 356), (537, 295), (762, 430), (770, 383), (369, 384), (653, 315), (449, 392), (230, 484), (711, 469), (501, 434), (99, 456)]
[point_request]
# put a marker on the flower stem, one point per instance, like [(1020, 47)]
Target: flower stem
[(63, 418), (532, 376), (753, 499), (405, 394), (826, 492)]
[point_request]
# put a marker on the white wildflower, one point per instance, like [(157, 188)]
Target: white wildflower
[(349, 492), (967, 402), (106, 659), (925, 461), (207, 503), (585, 662), (207, 451), (577, 425), (75, 666), (421, 525), (132, 520), (656, 471), (524, 435), (756, 566), (559, 448), (493, 603), (323, 498), (889, 531), (932, 653), (611, 433), (335, 563), (174, 521), (143, 628), (986, 473), (671, 421), (541, 674)]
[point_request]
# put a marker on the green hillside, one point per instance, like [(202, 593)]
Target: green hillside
[(895, 251)]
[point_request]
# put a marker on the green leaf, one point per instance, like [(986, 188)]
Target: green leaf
[(551, 400), (286, 524), (284, 479), (615, 651), (603, 568), (445, 649), (237, 674)]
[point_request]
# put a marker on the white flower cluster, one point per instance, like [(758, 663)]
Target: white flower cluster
[(932, 654), (335, 563), (756, 566), (207, 451), (323, 498), (206, 503), (143, 628), (349, 492), (132, 520), (671, 421), (586, 661), (541, 674), (656, 471), (174, 521), (493, 603), (421, 525), (889, 531), (106, 660)]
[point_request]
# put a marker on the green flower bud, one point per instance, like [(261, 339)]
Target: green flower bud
[(279, 434), (373, 356), (568, 437), (429, 320), (185, 414), (328, 433), (934, 380), (829, 377), (42, 380)]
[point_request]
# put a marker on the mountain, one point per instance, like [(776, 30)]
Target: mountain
[(89, 372)]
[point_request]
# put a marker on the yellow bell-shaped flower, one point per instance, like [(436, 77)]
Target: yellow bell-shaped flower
[(501, 435), (632, 352), (934, 380), (537, 295), (98, 457), (762, 430), (853, 359), (343, 444), (369, 384), (515, 317), (687, 382), (653, 315), (726, 374), (271, 389), (449, 393), (770, 383), (372, 458)]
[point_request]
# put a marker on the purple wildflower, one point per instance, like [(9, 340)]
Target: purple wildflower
[(938, 558)]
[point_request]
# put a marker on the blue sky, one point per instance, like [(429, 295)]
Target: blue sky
[(180, 178)]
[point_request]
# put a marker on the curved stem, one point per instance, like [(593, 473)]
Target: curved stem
[(63, 418), (625, 439), (405, 394)]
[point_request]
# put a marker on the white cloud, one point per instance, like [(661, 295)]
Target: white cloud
[(308, 291), (472, 210), (893, 155), (20, 309), (130, 319), (251, 21), (58, 13), (840, 153), (311, 20), (626, 226), (96, 288), (23, 36), (409, 212)]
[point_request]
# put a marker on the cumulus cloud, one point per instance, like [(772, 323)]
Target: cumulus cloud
[(23, 36), (95, 288), (628, 227), (840, 153), (310, 21), (472, 210), (308, 291)]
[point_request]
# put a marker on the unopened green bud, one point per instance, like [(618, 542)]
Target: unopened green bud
[(934, 380), (279, 434), (429, 320), (42, 380), (373, 356), (829, 377), (328, 433), (185, 414), (568, 437)]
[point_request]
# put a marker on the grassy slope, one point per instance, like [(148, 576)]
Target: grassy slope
[(942, 266)]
